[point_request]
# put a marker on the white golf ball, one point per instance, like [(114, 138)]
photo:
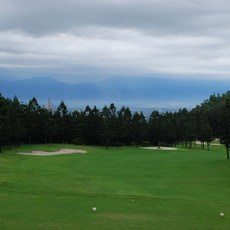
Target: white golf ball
[(222, 214), (94, 209)]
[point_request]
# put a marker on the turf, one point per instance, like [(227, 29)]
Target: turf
[(132, 188)]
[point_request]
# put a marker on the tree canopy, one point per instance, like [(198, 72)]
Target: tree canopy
[(110, 126)]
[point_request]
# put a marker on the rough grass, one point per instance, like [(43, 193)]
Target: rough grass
[(132, 189)]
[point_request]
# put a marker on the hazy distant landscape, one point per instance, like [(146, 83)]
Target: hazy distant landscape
[(137, 93)]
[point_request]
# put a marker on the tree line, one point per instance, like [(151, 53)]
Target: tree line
[(32, 123)]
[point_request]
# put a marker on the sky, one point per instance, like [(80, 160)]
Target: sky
[(83, 40)]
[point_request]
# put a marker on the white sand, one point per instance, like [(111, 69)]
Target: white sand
[(211, 143), (60, 152), (161, 148)]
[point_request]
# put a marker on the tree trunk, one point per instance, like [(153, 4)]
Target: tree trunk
[(208, 144), (227, 149)]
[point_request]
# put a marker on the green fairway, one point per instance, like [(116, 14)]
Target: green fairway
[(132, 188)]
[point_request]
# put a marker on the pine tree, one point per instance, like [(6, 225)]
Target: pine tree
[(225, 131)]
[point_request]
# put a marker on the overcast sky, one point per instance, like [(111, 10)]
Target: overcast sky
[(80, 40)]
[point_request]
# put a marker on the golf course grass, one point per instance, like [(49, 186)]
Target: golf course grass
[(132, 188)]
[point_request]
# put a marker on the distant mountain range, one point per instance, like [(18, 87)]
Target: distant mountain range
[(136, 91)]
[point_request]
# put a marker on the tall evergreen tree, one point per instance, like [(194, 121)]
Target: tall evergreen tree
[(92, 122), (204, 130), (156, 128), (4, 121), (169, 129), (109, 127), (16, 126), (225, 131), (138, 128), (124, 125), (62, 120), (31, 121)]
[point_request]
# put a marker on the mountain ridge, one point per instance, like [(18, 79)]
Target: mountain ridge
[(146, 90)]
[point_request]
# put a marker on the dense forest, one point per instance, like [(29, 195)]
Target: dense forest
[(32, 123)]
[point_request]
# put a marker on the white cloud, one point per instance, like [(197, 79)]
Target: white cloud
[(107, 37)]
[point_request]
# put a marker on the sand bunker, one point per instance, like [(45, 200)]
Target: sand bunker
[(212, 143), (160, 148), (60, 152)]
